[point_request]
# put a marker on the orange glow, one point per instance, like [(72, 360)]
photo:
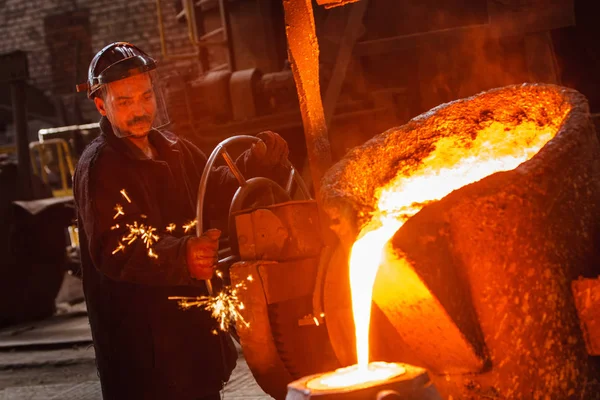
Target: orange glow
[(455, 161), (378, 372)]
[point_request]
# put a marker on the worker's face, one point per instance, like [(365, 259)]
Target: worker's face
[(130, 105)]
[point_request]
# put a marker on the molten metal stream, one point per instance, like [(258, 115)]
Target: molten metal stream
[(453, 164)]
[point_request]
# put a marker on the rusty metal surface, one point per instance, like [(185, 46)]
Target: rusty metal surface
[(303, 348), (280, 232), (303, 53), (256, 340), (257, 242), (288, 280), (334, 3), (587, 299), (275, 346), (289, 233), (513, 242)]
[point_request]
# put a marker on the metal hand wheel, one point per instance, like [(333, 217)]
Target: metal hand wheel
[(245, 190)]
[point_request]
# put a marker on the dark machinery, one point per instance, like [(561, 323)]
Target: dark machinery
[(379, 62), (31, 217)]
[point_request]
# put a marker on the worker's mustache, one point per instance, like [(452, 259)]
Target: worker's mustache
[(137, 120)]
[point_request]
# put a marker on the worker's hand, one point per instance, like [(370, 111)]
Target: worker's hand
[(270, 150), (202, 254)]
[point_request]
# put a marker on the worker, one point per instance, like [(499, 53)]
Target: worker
[(135, 173)]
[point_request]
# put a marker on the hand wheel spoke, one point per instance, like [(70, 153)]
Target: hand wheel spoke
[(290, 181), (228, 259), (234, 169)]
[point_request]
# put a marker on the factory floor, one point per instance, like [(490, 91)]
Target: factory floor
[(54, 358)]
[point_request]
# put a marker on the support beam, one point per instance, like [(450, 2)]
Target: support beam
[(334, 3), (303, 54)]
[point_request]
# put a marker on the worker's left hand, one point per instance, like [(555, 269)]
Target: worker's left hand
[(270, 150)]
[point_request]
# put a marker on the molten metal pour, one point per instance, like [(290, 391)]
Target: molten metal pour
[(448, 167)]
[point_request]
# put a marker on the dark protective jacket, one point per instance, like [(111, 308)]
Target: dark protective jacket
[(147, 348)]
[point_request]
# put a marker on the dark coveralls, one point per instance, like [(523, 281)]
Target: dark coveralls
[(147, 348)]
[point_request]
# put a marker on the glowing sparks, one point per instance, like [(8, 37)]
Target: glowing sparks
[(119, 209), (152, 254), (171, 228), (189, 226), (125, 195), (132, 235), (224, 307), (146, 233), (120, 247), (451, 165)]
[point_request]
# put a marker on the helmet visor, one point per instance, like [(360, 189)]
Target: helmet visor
[(135, 105)]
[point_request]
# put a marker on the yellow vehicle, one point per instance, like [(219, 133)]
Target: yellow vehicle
[(55, 154), (52, 154)]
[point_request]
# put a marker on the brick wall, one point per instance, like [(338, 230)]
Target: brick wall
[(23, 27)]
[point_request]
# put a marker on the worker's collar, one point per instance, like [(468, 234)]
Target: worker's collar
[(162, 141)]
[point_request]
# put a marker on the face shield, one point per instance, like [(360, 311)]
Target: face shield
[(133, 98)]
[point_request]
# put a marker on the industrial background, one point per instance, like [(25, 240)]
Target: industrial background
[(403, 58), (225, 72)]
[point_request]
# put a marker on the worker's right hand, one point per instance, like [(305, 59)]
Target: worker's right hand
[(202, 254), (270, 150)]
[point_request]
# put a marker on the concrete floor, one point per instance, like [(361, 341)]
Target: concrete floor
[(71, 374), (54, 359)]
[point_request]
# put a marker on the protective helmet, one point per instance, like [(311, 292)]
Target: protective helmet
[(116, 62)]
